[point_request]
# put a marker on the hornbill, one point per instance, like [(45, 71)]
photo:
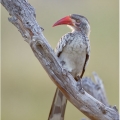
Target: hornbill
[(73, 51)]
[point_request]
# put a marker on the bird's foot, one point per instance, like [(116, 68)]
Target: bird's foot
[(77, 78), (64, 71), (79, 85)]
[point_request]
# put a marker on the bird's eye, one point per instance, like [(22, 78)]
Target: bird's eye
[(78, 21)]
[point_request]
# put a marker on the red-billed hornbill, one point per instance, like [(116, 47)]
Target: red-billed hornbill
[(73, 51)]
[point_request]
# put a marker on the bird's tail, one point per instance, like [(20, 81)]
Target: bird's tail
[(58, 106)]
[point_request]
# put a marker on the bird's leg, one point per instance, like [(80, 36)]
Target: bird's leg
[(79, 84)]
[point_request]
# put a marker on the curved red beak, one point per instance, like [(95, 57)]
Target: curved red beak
[(64, 21)]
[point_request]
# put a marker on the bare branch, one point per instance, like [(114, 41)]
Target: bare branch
[(23, 17), (95, 89)]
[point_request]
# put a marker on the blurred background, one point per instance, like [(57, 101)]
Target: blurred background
[(27, 91)]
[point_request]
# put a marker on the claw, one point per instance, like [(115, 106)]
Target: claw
[(77, 78), (64, 71)]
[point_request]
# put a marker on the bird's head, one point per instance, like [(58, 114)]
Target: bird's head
[(76, 22)]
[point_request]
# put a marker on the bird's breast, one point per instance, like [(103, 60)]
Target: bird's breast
[(75, 45), (73, 56)]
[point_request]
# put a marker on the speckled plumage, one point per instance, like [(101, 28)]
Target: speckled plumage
[(73, 51)]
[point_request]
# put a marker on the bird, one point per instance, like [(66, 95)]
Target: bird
[(73, 52)]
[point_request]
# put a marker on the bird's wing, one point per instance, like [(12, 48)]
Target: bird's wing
[(62, 43), (58, 106), (87, 42)]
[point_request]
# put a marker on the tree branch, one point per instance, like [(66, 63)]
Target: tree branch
[(95, 89), (23, 17)]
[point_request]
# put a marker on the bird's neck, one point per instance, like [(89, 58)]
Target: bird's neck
[(81, 32), (85, 32)]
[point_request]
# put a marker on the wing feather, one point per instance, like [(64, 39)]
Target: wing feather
[(87, 56), (62, 43)]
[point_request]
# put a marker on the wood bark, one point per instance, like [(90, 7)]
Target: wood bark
[(23, 17)]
